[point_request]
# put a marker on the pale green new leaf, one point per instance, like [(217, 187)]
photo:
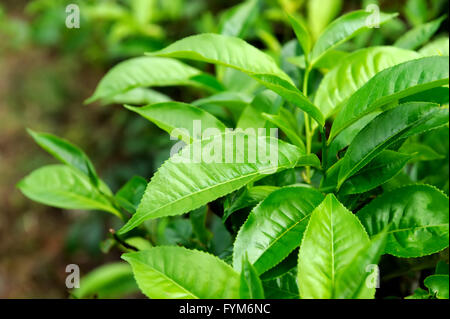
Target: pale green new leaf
[(179, 273), (353, 72), (419, 35), (418, 215), (343, 29), (275, 227), (302, 34), (144, 72), (131, 193), (187, 181), (113, 280), (330, 243), (437, 47), (321, 13), (238, 19), (67, 153), (386, 129), (64, 187), (180, 120), (238, 54), (391, 85), (138, 96)]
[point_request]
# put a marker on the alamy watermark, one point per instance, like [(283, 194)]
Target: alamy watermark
[(73, 16), (73, 277), (373, 21)]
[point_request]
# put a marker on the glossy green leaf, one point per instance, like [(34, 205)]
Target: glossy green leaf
[(391, 85), (187, 181), (64, 187), (360, 277), (113, 280), (129, 196), (251, 286), (248, 197), (330, 243), (386, 129), (342, 30), (67, 153), (437, 47), (179, 273), (418, 215), (238, 54), (354, 71), (438, 285), (439, 95), (180, 119), (380, 170), (238, 19), (321, 13), (301, 33), (284, 121), (419, 35), (138, 96), (144, 72), (275, 227)]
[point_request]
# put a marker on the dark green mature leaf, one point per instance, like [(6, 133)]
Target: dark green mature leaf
[(438, 95), (180, 120), (129, 196), (380, 170), (275, 227), (238, 54), (67, 153), (391, 85), (188, 181), (64, 187), (249, 197), (386, 129), (284, 287), (144, 72), (418, 215), (113, 280), (251, 285), (179, 273), (419, 35), (342, 30), (354, 71), (330, 243), (438, 285), (238, 19)]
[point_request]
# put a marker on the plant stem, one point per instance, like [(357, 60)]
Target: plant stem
[(307, 125), (324, 150)]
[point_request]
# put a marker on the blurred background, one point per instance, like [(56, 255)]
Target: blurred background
[(48, 70)]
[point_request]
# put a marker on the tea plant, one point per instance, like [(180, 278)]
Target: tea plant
[(361, 167)]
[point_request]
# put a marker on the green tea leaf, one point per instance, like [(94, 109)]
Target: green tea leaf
[(179, 273), (64, 187), (180, 119), (251, 285), (418, 215), (113, 280), (302, 34), (437, 47), (144, 72), (419, 35), (342, 30), (330, 243), (187, 181), (389, 127), (380, 170), (67, 153), (138, 96), (321, 13), (353, 72), (129, 196), (238, 19), (275, 227), (391, 85), (238, 54), (438, 285)]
